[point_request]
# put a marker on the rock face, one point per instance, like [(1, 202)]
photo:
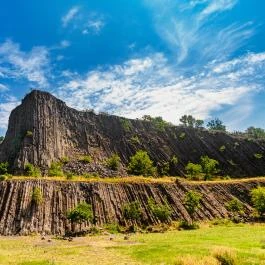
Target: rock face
[(43, 129), (19, 214)]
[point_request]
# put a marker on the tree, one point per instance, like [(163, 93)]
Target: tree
[(192, 202), (255, 133), (32, 171), (258, 199), (193, 170), (216, 125), (55, 170), (209, 167), (113, 162), (81, 213), (190, 121), (141, 164)]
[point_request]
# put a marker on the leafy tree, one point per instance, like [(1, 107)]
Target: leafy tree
[(216, 125), (161, 211), (4, 168), (255, 133), (192, 202), (258, 199), (158, 122), (141, 164), (81, 213), (32, 171), (209, 167), (193, 170), (113, 162), (190, 121), (1, 139), (37, 196), (132, 211)]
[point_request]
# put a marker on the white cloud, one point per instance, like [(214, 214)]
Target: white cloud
[(94, 26), (191, 33), (70, 15), (5, 108), (3, 88), (152, 86), (65, 43), (32, 65)]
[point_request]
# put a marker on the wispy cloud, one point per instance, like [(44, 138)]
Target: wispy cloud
[(188, 29), (32, 65), (8, 103), (151, 86), (93, 26), (70, 15)]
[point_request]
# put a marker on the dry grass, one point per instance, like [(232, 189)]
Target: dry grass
[(190, 260)]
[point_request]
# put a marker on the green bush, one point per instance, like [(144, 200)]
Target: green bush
[(209, 167), (113, 162), (37, 196), (55, 170), (65, 160), (235, 206), (192, 201), (258, 199), (188, 226), (29, 134), (164, 169), (161, 211), (258, 156), (141, 164), (174, 160), (69, 175), (132, 211), (4, 168), (85, 159), (222, 148), (193, 170), (126, 124), (113, 228), (32, 171), (3, 177), (182, 136), (135, 140), (81, 213)]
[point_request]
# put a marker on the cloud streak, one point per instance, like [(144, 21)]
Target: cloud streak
[(70, 16)]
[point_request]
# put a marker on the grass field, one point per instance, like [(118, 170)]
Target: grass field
[(247, 241)]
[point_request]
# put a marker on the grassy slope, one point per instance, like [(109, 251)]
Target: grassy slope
[(165, 248)]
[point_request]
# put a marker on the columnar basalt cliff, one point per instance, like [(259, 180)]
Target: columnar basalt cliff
[(43, 129), (20, 215)]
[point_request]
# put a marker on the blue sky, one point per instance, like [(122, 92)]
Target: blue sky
[(159, 57)]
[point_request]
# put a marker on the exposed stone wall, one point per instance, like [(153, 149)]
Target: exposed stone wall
[(20, 215)]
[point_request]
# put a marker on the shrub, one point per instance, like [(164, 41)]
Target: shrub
[(37, 196), (141, 164), (225, 256), (217, 125), (161, 211), (135, 140), (132, 211), (164, 169), (126, 124), (113, 228), (188, 226), (29, 134), (32, 171), (81, 213), (258, 199), (69, 175), (209, 167), (64, 160), (258, 156), (222, 148), (193, 170), (174, 160), (4, 168), (85, 159), (235, 206), (113, 162), (192, 201), (55, 170), (3, 177), (182, 136)]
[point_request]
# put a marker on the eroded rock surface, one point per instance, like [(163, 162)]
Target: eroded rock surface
[(43, 129), (20, 215)]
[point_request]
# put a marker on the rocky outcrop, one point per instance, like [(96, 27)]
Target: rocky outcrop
[(19, 214), (43, 129)]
